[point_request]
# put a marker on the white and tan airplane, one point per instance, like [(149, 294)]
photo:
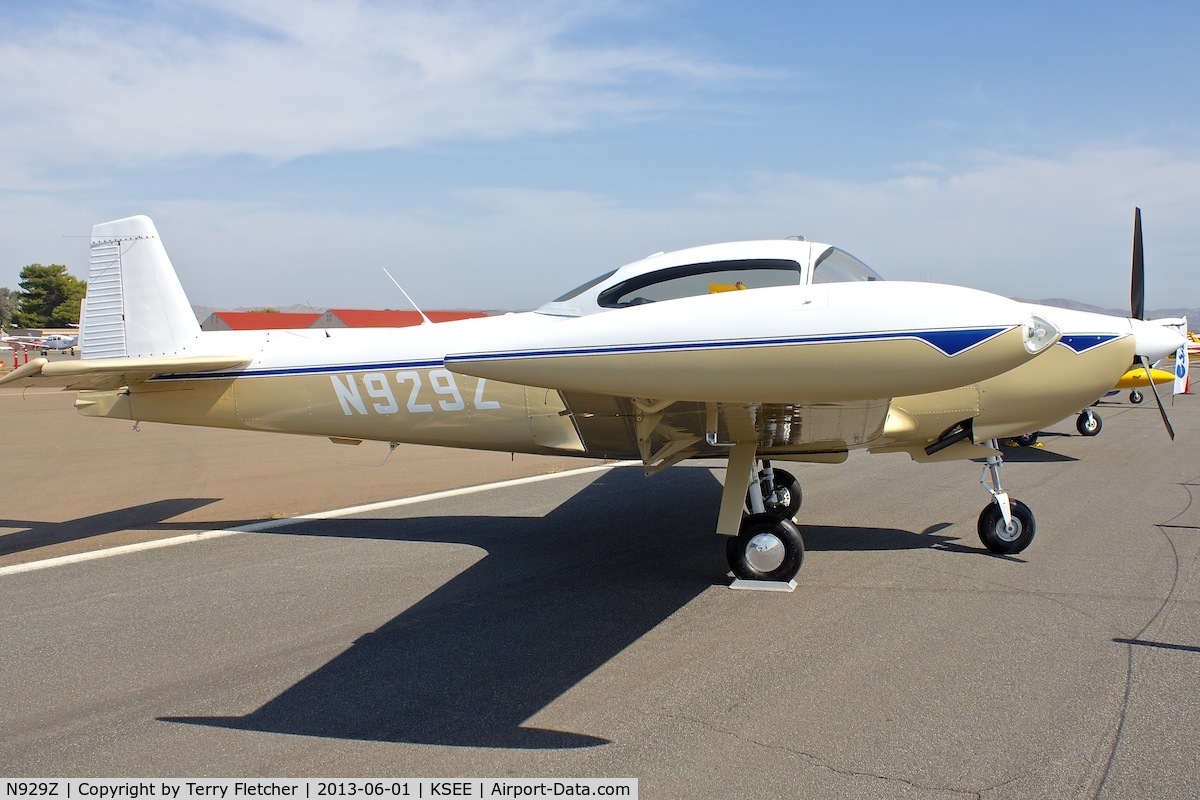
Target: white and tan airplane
[(43, 344), (753, 352)]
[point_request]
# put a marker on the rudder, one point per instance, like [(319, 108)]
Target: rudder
[(135, 305)]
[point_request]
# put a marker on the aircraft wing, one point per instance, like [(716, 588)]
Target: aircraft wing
[(26, 341), (112, 373)]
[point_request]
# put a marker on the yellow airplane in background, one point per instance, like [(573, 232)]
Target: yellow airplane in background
[(1140, 377), (752, 352), (1089, 423)]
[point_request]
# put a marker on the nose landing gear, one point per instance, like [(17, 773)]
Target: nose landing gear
[(1088, 422), (1006, 526)]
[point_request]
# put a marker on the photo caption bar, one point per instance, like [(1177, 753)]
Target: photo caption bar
[(314, 788)]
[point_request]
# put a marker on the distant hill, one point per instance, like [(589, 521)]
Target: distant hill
[(1192, 314)]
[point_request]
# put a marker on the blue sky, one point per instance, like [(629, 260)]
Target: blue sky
[(495, 154)]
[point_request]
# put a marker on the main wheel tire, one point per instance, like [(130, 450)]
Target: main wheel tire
[(1027, 439), (1088, 424), (785, 502), (1136, 397), (766, 549), (997, 537)]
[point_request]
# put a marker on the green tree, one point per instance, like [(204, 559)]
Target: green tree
[(8, 306), (49, 297)]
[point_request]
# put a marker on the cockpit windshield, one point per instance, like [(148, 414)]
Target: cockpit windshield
[(691, 280), (571, 295), (712, 269), (838, 266)]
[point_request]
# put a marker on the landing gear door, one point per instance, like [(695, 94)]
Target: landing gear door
[(550, 422)]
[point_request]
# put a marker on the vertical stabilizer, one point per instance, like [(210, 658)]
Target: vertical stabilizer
[(135, 305)]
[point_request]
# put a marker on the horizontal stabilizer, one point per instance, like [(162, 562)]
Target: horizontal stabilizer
[(113, 373)]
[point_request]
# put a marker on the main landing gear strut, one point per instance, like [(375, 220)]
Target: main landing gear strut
[(766, 545)]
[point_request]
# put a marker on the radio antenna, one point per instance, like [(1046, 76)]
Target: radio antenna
[(424, 319)]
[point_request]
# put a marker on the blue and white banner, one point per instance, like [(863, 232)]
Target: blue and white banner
[(1181, 362)]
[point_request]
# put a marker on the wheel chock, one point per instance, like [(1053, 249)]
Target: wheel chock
[(763, 586)]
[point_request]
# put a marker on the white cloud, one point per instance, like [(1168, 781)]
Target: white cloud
[(1016, 225), (283, 79), (1030, 227), (98, 88)]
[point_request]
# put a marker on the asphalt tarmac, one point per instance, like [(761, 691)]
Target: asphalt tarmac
[(581, 626)]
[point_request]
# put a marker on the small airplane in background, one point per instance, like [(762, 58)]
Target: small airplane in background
[(1089, 423), (752, 352), (1139, 378), (60, 342), (44, 344)]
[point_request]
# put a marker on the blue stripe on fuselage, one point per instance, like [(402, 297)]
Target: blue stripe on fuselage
[(948, 342), (1082, 342)]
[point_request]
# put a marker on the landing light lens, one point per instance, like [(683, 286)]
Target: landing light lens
[(1040, 333)]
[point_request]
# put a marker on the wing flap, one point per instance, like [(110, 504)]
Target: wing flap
[(113, 373)]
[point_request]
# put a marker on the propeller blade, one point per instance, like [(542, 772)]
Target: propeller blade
[(1137, 286), (1161, 410)]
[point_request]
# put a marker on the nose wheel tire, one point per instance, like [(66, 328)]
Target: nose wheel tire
[(1088, 424), (784, 502), (1136, 397), (767, 549), (1004, 539)]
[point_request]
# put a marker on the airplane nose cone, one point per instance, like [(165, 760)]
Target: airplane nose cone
[(1155, 341)]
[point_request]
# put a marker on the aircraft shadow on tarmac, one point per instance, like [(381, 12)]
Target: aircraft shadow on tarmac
[(555, 598), (1031, 455), (32, 534), (831, 538)]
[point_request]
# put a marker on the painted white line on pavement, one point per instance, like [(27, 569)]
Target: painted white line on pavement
[(266, 525)]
